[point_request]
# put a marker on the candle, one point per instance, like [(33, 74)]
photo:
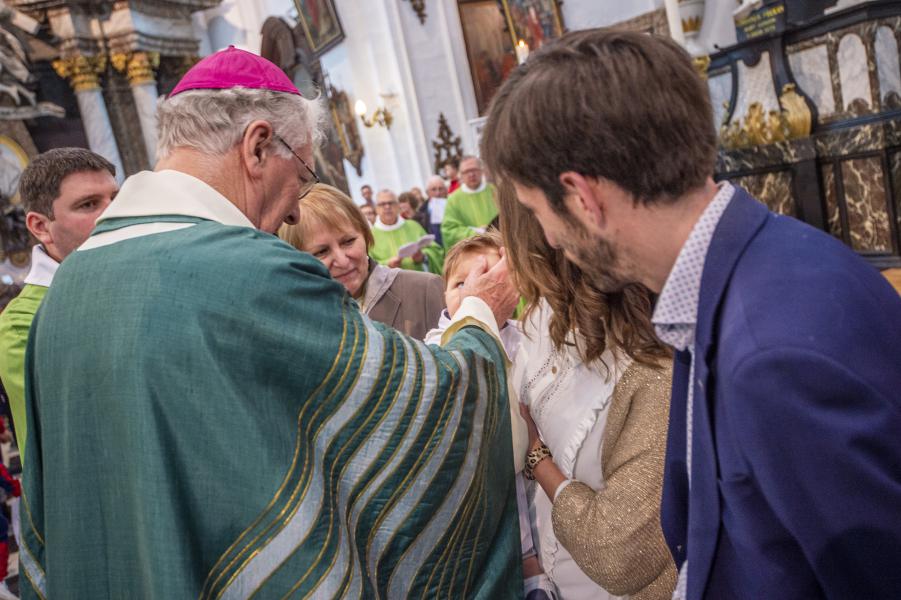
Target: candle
[(522, 51)]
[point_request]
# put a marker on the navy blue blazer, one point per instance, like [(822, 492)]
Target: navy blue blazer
[(796, 444)]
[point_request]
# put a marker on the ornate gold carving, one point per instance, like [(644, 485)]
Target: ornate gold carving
[(701, 64), (760, 128), (419, 8), (83, 72), (448, 145), (691, 24), (346, 126), (139, 67)]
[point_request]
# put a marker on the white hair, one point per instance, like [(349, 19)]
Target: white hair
[(434, 179), (213, 121)]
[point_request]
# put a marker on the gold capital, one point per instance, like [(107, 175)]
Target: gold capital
[(139, 67), (83, 72)]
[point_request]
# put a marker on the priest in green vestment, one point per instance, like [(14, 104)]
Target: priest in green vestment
[(63, 191), (210, 415), (391, 232), (471, 208)]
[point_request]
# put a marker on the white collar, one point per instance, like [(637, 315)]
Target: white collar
[(43, 267), (379, 225), (469, 190), (169, 192)]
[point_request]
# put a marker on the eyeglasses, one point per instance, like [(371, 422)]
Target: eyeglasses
[(305, 184), (387, 204)]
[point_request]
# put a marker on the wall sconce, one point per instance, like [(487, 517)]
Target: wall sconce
[(381, 117)]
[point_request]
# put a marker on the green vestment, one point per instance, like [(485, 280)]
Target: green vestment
[(15, 322), (466, 212), (387, 243), (212, 417)]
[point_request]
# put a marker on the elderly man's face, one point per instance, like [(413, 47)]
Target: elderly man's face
[(436, 189), (282, 184), (387, 208), (471, 171)]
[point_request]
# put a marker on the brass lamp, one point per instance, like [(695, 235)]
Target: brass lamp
[(381, 117)]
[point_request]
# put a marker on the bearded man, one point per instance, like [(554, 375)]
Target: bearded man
[(782, 476)]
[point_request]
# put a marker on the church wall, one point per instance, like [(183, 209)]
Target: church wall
[(387, 50)]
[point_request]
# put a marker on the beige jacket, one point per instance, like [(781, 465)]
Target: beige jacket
[(614, 535), (409, 301)]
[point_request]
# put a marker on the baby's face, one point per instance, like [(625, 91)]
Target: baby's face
[(464, 266)]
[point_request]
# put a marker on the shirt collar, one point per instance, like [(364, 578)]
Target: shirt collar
[(676, 314), (168, 192), (43, 268), (379, 225), (479, 189)]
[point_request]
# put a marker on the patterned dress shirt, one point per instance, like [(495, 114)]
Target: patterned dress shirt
[(676, 315)]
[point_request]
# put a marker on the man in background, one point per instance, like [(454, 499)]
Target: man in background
[(471, 208), (63, 192), (432, 210), (366, 193)]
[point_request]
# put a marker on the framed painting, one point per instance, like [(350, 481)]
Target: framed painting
[(533, 21), (488, 48), (321, 27)]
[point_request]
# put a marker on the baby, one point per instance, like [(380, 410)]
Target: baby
[(459, 261)]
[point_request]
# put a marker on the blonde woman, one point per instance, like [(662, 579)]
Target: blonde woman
[(332, 229), (596, 383)]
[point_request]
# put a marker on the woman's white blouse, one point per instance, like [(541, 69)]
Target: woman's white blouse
[(569, 402)]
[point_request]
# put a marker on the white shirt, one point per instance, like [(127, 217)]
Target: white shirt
[(43, 267), (436, 210), (676, 314), (569, 402)]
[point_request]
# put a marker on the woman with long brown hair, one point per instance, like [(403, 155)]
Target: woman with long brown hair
[(595, 380)]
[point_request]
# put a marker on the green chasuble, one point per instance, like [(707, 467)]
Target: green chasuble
[(466, 212), (211, 417), (389, 239), (15, 322)]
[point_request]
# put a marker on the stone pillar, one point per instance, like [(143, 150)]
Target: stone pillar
[(83, 73), (140, 69)]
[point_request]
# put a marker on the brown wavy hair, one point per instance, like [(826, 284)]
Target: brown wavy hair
[(600, 319)]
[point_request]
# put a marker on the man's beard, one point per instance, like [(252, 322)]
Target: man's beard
[(597, 260)]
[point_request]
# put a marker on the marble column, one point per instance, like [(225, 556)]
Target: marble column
[(139, 68), (83, 73)]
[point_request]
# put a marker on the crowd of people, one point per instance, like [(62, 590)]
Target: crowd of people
[(570, 371)]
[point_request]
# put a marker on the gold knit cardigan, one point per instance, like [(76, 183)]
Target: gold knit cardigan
[(614, 535)]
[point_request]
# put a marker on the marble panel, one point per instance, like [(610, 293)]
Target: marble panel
[(720, 95), (841, 142), (811, 70), (762, 157), (833, 215), (773, 189), (755, 84), (887, 63), (866, 203), (854, 71)]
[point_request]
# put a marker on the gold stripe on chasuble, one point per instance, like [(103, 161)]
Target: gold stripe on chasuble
[(210, 584), (357, 433), (300, 490)]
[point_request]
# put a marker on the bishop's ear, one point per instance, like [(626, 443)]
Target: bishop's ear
[(257, 143), (584, 200)]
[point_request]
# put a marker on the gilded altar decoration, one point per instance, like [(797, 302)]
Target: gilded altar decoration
[(83, 72), (139, 67), (346, 127), (448, 145), (419, 9), (760, 127), (701, 65)]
